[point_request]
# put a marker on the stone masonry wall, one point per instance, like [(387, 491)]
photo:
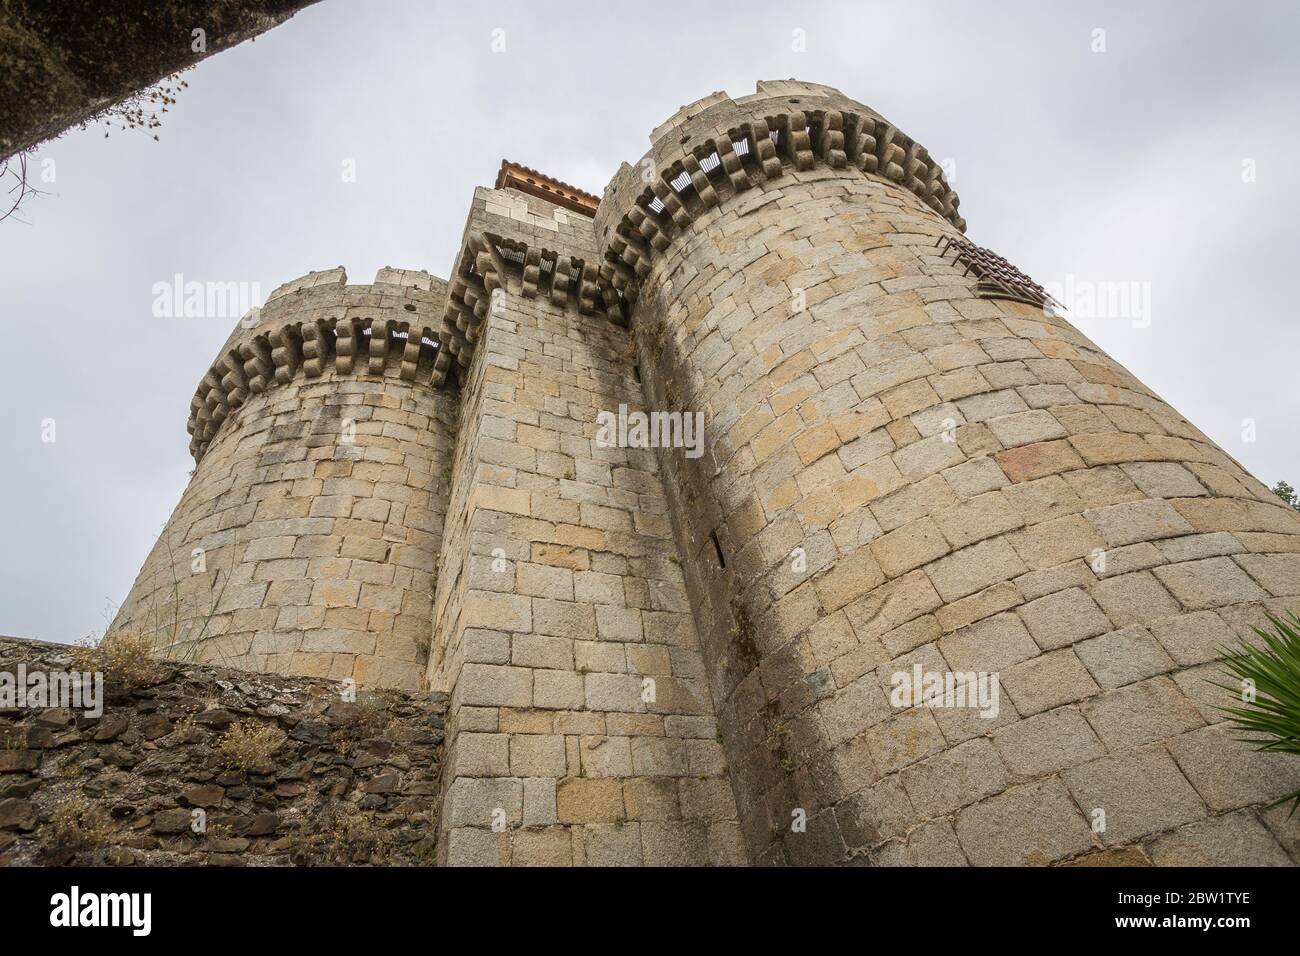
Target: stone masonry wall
[(195, 765), (579, 710), (318, 502), (975, 486)]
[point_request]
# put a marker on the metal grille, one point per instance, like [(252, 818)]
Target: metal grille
[(998, 279)]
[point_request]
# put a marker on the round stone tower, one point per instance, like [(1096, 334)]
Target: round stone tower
[(914, 469), (307, 538)]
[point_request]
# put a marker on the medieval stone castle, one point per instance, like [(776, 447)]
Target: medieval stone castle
[(911, 465)]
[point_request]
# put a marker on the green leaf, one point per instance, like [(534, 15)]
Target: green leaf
[(1270, 722)]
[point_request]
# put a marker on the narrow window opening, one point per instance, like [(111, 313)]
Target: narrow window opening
[(636, 373), (713, 536)]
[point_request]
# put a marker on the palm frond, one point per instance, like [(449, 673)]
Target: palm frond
[(1271, 720)]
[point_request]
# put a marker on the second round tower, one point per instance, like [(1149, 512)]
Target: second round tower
[(914, 466)]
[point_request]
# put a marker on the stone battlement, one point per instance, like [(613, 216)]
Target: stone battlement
[(317, 321), (718, 147)]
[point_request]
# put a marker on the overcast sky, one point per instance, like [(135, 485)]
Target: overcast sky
[(1123, 166)]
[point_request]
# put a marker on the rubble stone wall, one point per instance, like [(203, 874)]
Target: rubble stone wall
[(56, 70), (155, 779)]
